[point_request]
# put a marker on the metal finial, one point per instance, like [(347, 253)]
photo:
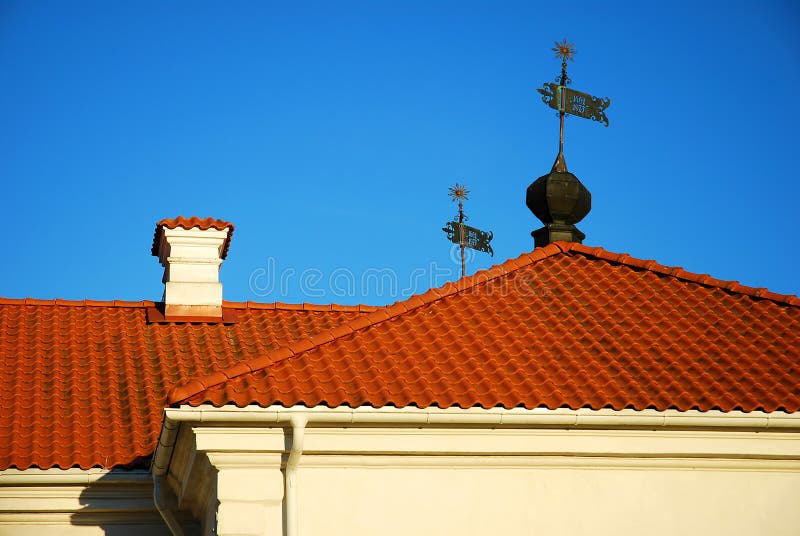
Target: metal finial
[(458, 192), (564, 50)]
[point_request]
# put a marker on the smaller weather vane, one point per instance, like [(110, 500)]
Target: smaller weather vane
[(569, 101), (464, 235)]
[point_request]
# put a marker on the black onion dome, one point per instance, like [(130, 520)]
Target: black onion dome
[(559, 200)]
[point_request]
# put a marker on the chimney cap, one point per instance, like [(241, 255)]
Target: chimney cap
[(202, 224)]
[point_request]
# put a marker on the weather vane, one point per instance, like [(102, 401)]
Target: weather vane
[(464, 235), (569, 101)]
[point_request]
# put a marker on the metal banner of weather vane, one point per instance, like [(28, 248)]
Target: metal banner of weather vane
[(462, 234), (567, 100), (575, 102)]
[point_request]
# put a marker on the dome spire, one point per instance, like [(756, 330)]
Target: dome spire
[(559, 199)]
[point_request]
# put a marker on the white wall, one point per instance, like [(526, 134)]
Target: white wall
[(396, 472), (544, 497)]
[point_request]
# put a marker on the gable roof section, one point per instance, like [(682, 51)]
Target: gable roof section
[(564, 326), (86, 382)]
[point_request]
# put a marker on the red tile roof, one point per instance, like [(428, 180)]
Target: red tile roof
[(189, 223), (85, 382), (564, 326)]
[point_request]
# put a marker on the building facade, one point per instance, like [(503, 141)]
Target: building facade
[(570, 390)]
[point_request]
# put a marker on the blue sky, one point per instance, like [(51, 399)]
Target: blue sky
[(329, 132)]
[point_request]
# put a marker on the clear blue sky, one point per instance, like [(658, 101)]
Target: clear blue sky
[(329, 132)]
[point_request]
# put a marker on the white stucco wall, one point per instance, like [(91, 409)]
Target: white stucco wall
[(545, 498), (490, 472)]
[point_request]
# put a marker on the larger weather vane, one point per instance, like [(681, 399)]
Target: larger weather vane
[(569, 101)]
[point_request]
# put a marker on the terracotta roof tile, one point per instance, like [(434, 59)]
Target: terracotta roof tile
[(190, 223), (90, 379), (564, 326), (237, 370), (335, 307), (289, 306)]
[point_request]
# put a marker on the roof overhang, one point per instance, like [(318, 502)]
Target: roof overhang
[(226, 417)]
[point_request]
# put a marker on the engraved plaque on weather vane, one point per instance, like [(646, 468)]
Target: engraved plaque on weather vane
[(575, 102)]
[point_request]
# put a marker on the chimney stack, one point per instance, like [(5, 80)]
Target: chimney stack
[(191, 251)]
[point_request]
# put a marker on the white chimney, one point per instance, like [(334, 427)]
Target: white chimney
[(191, 251)]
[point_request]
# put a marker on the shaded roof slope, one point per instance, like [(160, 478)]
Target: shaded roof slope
[(85, 383), (564, 326)]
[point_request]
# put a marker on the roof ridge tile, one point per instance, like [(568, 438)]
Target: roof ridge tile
[(183, 391), (316, 307), (234, 305), (305, 306), (360, 322), (289, 306), (341, 330), (264, 361), (397, 308), (380, 316), (76, 303), (414, 301), (238, 369), (300, 345), (346, 308), (216, 377), (35, 301), (515, 263), (322, 337), (563, 247)]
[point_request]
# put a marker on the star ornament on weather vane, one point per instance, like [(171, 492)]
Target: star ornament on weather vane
[(570, 101), (464, 235)]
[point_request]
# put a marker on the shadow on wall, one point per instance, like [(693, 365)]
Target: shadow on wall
[(120, 503)]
